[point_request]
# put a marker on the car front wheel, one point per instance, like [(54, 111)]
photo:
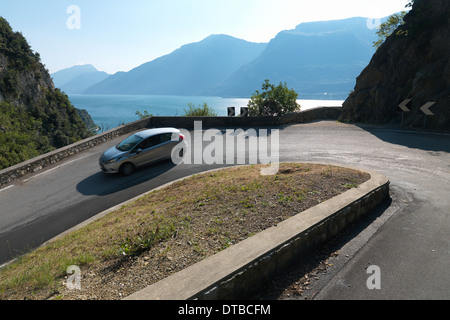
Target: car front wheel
[(127, 169)]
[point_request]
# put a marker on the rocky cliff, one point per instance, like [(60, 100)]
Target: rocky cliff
[(413, 63), (35, 117)]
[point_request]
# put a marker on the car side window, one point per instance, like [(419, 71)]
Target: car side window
[(147, 143), (166, 137), (155, 140)]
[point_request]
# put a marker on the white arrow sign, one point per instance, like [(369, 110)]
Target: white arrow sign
[(404, 104), (426, 107)]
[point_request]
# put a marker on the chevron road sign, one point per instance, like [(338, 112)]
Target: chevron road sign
[(426, 108), (231, 111), (404, 105), (404, 108), (244, 112)]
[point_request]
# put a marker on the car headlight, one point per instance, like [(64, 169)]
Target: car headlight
[(112, 160)]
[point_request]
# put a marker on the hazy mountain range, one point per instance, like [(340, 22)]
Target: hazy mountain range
[(78, 78), (317, 59)]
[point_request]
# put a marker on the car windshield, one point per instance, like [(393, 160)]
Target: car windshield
[(129, 143)]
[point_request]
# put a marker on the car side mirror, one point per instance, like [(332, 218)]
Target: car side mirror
[(139, 151)]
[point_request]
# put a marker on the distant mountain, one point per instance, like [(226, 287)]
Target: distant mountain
[(78, 78), (193, 69), (317, 59)]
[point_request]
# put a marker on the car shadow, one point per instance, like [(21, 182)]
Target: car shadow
[(102, 184)]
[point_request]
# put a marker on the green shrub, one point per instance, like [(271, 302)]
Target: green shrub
[(273, 100), (199, 111)]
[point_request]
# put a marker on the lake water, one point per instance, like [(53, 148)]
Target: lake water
[(110, 111)]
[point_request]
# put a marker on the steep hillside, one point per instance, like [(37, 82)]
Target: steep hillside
[(77, 79), (34, 116), (189, 70), (413, 63), (317, 59)]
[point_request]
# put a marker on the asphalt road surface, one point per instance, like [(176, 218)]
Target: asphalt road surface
[(408, 241)]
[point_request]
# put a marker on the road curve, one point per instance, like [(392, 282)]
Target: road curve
[(409, 241), (411, 245)]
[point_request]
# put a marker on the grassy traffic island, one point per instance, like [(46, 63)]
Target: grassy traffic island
[(170, 229)]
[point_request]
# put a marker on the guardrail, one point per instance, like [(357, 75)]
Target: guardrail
[(36, 164)]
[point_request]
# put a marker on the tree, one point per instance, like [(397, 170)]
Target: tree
[(144, 115), (388, 28), (199, 111), (273, 100)]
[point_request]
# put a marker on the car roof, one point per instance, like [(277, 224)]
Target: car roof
[(151, 132)]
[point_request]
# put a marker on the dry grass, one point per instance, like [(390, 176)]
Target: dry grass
[(171, 229)]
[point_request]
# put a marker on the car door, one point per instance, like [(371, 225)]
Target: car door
[(145, 151), (165, 146), (153, 149)]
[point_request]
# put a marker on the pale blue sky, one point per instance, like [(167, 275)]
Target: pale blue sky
[(118, 35)]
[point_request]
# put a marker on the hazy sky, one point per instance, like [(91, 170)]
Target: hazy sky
[(118, 35)]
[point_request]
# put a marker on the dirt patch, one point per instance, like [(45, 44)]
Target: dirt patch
[(173, 228)]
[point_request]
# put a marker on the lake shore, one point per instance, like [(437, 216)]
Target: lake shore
[(110, 111)]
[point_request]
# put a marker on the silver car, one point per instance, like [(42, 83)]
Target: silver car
[(142, 148)]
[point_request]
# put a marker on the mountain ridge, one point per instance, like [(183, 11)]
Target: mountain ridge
[(305, 59), (201, 76), (185, 71), (77, 79)]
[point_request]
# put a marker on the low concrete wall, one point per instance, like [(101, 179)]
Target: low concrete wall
[(321, 113), (239, 271), (31, 166)]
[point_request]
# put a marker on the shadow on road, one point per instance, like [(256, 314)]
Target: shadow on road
[(113, 189), (102, 184), (314, 262), (414, 140)]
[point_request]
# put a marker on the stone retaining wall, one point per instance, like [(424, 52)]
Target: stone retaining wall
[(22, 169)]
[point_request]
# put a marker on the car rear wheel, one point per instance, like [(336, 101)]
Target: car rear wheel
[(127, 169)]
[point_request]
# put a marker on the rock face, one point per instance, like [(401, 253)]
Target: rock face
[(413, 64)]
